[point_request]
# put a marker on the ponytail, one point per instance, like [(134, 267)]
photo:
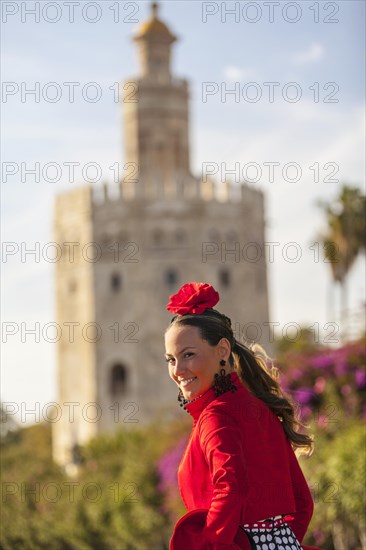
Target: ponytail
[(252, 366)]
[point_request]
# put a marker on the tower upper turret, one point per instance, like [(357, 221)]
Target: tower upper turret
[(154, 41), (156, 115)]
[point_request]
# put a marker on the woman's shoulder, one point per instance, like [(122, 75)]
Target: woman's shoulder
[(227, 405), (238, 406)]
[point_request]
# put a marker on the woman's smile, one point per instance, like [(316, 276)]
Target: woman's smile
[(187, 381)]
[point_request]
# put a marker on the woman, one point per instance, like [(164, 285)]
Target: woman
[(239, 477)]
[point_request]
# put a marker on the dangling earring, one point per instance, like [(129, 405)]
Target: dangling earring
[(182, 401), (223, 382)]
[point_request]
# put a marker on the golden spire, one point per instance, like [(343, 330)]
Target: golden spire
[(154, 9), (154, 27)]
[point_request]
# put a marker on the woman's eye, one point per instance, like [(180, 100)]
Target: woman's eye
[(171, 358)]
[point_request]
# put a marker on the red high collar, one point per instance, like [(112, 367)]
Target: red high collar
[(196, 407)]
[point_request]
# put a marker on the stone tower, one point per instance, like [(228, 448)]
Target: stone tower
[(126, 249)]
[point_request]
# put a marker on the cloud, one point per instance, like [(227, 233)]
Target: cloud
[(313, 53), (236, 73)]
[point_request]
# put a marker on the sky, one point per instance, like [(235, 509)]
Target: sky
[(297, 73)]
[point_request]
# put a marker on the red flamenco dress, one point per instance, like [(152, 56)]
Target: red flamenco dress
[(239, 470)]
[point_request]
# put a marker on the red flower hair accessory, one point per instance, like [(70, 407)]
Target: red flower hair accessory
[(193, 298)]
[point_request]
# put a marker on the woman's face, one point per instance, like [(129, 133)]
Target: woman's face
[(189, 357)]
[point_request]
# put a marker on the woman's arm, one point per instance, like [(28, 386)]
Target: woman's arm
[(221, 444), (303, 498)]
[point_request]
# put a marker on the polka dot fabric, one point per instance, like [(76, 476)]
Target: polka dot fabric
[(280, 537)]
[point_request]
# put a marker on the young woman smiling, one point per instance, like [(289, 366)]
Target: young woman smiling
[(239, 477)]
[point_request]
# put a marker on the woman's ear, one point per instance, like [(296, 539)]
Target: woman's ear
[(224, 348)]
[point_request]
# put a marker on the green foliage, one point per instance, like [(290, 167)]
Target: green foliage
[(113, 503), (336, 475), (305, 342), (330, 386)]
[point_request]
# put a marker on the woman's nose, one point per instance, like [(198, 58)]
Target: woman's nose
[(178, 369)]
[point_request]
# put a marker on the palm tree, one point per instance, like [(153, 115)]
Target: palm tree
[(345, 237)]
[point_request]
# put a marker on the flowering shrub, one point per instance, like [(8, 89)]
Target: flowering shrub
[(167, 468), (327, 383)]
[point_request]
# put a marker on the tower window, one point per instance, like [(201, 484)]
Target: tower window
[(105, 240), (261, 280), (118, 379), (122, 237), (214, 235), (116, 282), (180, 235), (224, 278), (157, 64), (232, 236), (171, 277), (157, 236)]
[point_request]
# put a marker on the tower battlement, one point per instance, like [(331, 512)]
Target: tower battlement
[(192, 189)]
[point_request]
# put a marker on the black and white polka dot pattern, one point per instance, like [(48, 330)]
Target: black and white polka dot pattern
[(278, 538)]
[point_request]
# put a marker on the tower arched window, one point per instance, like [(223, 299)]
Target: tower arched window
[(118, 380), (224, 278), (116, 282), (171, 277)]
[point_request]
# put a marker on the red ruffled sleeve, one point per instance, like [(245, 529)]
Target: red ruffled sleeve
[(221, 443)]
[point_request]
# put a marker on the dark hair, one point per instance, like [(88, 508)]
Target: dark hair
[(251, 363)]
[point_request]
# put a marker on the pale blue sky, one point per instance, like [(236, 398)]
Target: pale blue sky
[(222, 52)]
